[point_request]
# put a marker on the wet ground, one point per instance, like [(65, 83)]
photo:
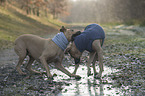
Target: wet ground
[(124, 60)]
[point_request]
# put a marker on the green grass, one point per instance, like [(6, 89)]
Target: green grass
[(15, 23)]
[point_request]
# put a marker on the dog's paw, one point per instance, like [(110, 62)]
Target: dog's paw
[(89, 74), (77, 77), (28, 77), (54, 75), (50, 78), (96, 74), (97, 77), (22, 73)]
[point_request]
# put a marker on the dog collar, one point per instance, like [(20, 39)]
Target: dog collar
[(60, 40)]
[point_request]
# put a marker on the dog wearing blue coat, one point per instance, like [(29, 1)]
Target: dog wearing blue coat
[(91, 40)]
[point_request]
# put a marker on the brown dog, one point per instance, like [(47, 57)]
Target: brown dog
[(42, 50), (91, 40)]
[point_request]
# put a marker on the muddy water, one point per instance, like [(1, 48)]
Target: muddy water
[(13, 83), (88, 86)]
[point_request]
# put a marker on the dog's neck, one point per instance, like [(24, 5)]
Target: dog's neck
[(60, 40)]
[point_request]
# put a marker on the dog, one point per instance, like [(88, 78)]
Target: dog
[(44, 51), (92, 40)]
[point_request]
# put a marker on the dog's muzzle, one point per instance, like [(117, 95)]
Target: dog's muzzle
[(77, 60)]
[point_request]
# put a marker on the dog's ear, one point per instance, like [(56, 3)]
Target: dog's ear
[(63, 29), (74, 35)]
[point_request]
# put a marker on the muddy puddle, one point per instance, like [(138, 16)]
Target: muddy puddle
[(11, 83), (88, 86)]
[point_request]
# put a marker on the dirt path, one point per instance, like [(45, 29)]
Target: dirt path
[(124, 60)]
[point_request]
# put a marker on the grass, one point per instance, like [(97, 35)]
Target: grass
[(120, 42), (14, 22)]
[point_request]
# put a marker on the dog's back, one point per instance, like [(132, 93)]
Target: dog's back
[(92, 32), (29, 44)]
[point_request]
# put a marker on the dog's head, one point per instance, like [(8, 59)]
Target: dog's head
[(67, 32), (72, 50), (74, 35)]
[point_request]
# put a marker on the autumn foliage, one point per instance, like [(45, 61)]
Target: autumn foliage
[(39, 7)]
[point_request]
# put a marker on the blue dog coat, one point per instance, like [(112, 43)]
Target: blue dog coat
[(85, 39), (60, 40)]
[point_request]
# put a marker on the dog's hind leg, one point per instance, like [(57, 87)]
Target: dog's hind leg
[(29, 65), (20, 62), (97, 47), (21, 52), (91, 57)]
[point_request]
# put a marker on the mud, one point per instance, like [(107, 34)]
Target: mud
[(11, 83), (124, 60)]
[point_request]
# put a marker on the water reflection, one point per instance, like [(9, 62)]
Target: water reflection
[(77, 89), (94, 90), (87, 86)]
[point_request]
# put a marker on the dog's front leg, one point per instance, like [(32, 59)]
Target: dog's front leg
[(76, 68), (43, 61), (91, 57), (59, 66), (94, 65)]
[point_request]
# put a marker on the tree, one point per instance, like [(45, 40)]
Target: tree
[(36, 7), (103, 11), (57, 7), (2, 2), (32, 6)]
